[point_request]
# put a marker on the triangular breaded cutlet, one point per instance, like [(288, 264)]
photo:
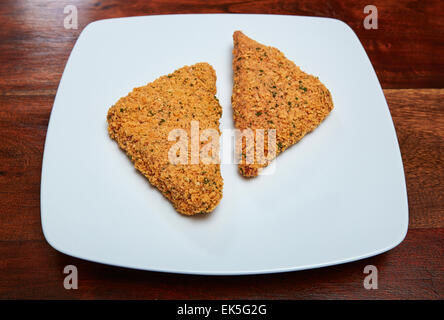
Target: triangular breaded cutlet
[(142, 121), (271, 92)]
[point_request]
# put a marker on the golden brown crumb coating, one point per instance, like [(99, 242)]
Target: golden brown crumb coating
[(271, 92), (142, 121)]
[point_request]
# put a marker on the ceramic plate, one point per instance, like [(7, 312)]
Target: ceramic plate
[(338, 195)]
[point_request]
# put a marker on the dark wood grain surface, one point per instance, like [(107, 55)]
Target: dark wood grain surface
[(407, 53)]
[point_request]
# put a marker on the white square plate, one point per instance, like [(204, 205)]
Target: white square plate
[(337, 196)]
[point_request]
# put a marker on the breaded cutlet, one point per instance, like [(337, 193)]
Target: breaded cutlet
[(142, 121), (271, 92)]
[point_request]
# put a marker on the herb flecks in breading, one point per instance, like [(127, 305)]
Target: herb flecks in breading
[(141, 122), (267, 88)]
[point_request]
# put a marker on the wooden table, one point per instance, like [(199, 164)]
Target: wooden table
[(407, 53)]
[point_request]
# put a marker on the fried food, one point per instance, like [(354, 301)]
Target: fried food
[(141, 123), (271, 92)]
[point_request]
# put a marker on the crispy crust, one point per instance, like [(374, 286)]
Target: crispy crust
[(271, 92), (141, 122)]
